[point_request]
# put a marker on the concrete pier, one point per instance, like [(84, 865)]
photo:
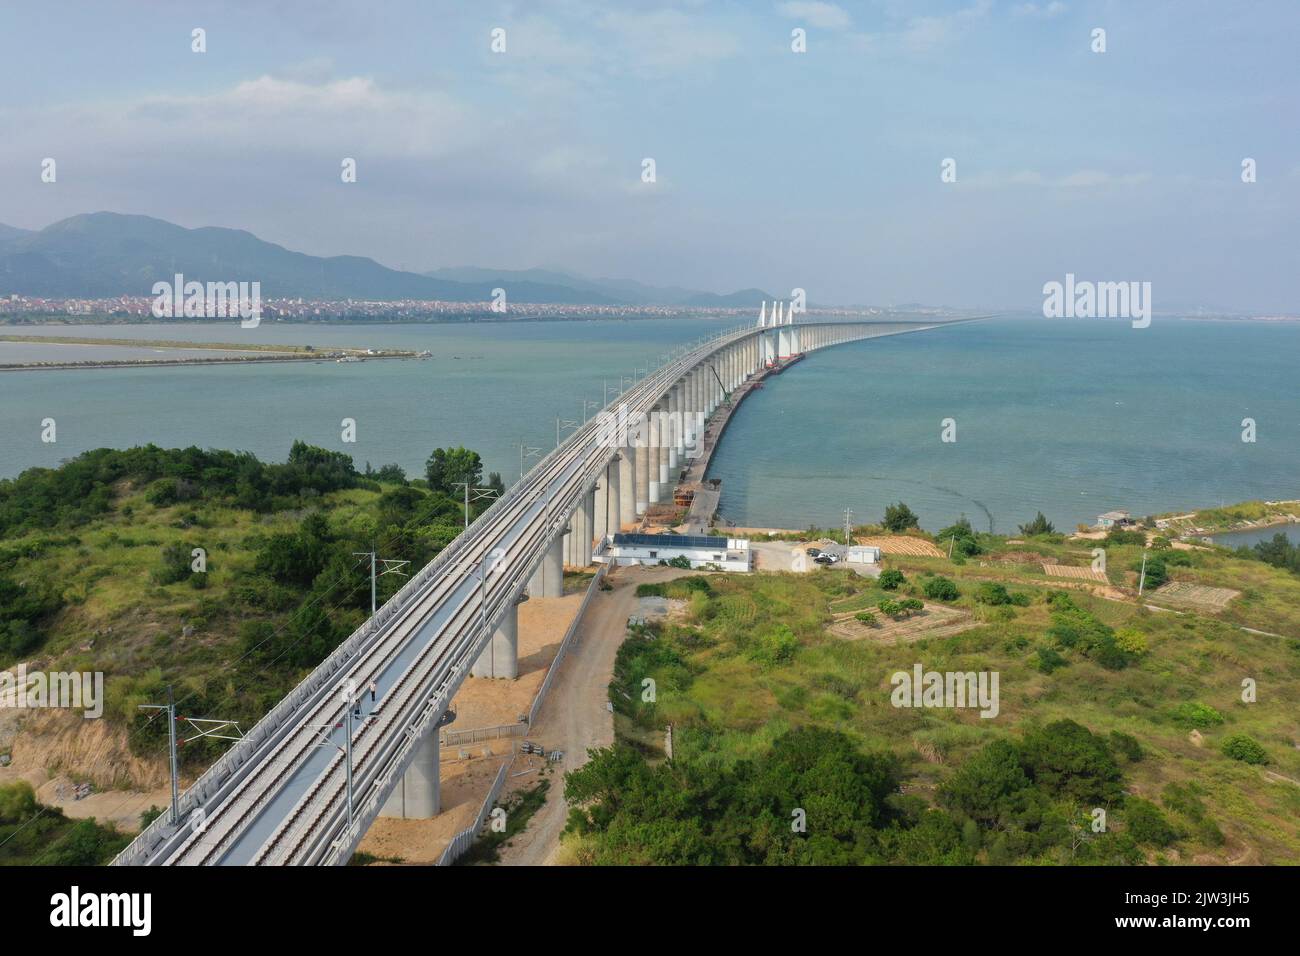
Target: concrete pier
[(555, 569), (627, 496), (642, 488), (655, 475), (500, 659), (417, 795)]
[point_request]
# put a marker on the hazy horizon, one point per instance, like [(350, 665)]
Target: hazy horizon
[(774, 169)]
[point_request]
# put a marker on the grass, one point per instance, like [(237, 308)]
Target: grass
[(519, 809), (117, 619), (726, 705)]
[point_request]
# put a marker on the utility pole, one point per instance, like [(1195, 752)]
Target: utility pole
[(563, 423), (848, 516), (526, 451), (205, 728), (170, 707), (391, 566), (347, 751), (1142, 580), (479, 495)]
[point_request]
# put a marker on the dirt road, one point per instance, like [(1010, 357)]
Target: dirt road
[(576, 715)]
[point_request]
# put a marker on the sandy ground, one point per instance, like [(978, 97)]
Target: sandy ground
[(464, 785), (576, 715), (482, 702), (119, 807)]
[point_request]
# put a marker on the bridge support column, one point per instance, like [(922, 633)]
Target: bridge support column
[(665, 443), (652, 457), (500, 659), (579, 530), (553, 569), (600, 527), (613, 496), (671, 426), (417, 795), (627, 486)]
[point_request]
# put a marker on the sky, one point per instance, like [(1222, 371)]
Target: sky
[(773, 169)]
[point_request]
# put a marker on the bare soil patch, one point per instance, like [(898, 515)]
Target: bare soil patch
[(935, 620)]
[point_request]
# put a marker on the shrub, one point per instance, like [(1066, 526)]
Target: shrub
[(891, 579), (941, 589), (866, 617), (1126, 746), (991, 593), (1191, 714), (775, 647), (1048, 660), (1146, 824), (1131, 641), (1244, 748)]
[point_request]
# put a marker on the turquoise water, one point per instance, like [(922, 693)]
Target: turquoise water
[(1070, 417), (488, 386), (1251, 536)]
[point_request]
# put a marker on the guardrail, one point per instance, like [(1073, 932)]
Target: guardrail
[(457, 738), (463, 840)]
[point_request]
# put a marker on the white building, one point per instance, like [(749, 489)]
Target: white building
[(728, 554), (863, 554)]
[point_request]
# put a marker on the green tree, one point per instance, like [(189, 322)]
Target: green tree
[(989, 787), (1070, 761), (963, 538), (899, 518), (1040, 525), (448, 467)]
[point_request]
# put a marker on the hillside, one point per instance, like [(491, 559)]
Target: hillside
[(779, 697), (97, 574)]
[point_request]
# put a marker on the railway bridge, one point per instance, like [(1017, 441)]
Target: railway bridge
[(307, 781)]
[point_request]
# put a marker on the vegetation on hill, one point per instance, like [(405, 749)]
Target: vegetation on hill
[(771, 713), (35, 835), (212, 571)]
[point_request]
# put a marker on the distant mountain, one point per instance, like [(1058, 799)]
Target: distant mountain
[(12, 232), (107, 254), (735, 300)]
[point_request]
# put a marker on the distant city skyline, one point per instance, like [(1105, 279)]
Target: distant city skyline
[(774, 169)]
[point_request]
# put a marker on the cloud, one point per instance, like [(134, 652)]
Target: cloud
[(1040, 10), (826, 16), (927, 34), (1079, 179), (667, 40)]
